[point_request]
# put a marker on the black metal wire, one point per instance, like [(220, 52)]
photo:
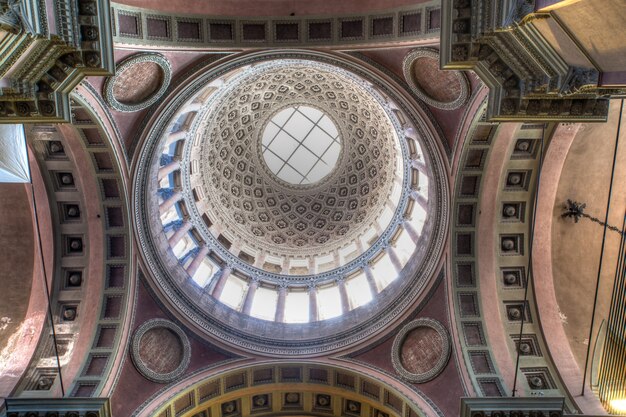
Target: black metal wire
[(45, 279), (530, 259), (606, 220)]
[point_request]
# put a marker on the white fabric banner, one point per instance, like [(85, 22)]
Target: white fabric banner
[(13, 154)]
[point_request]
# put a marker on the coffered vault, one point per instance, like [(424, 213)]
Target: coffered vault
[(282, 208)]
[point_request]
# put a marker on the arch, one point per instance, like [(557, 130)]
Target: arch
[(300, 388)]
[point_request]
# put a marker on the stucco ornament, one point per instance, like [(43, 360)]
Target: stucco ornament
[(160, 359), (421, 350), (126, 67)]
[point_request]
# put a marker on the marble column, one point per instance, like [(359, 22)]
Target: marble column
[(393, 256), (197, 260), (220, 282), (420, 199), (408, 227), (369, 275), (178, 235), (247, 304), (166, 170), (313, 310), (175, 137), (167, 204), (280, 305), (345, 301)]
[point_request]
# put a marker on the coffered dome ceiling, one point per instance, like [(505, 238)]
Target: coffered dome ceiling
[(259, 156), (291, 188)]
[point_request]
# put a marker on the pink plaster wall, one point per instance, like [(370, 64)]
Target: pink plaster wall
[(132, 388), (446, 389), (28, 334), (545, 295)]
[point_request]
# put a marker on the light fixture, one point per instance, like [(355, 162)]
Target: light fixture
[(618, 405)]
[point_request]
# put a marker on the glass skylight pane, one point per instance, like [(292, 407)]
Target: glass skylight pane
[(384, 272), (302, 160), (318, 141), (332, 154), (311, 113), (290, 175), (273, 162), (281, 118), (297, 307), (329, 302), (169, 216), (184, 245), (283, 145), (234, 290), (300, 143), (204, 273), (317, 173), (328, 126), (268, 134), (298, 126), (264, 303), (358, 290)]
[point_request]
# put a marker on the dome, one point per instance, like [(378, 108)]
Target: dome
[(295, 166), (286, 191)]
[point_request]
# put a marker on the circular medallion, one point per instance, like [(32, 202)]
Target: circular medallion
[(160, 350), (446, 90), (139, 82), (421, 350)]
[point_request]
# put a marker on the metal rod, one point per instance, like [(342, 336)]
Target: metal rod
[(530, 260), (45, 276), (606, 220)]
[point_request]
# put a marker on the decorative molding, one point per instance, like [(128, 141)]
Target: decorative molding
[(508, 202), (383, 27), (527, 78), (242, 384), (401, 82), (407, 67), (143, 368), (68, 407), (437, 367), (127, 64), (360, 188), (521, 406), (91, 142), (465, 282), (43, 68)]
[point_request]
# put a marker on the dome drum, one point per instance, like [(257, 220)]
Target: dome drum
[(288, 192)]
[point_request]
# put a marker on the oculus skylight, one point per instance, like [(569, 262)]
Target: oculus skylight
[(301, 145)]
